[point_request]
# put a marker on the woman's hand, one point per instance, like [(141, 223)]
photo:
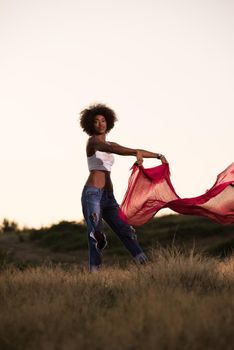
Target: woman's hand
[(162, 158), (139, 158)]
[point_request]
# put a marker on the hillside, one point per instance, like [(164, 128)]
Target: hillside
[(65, 242)]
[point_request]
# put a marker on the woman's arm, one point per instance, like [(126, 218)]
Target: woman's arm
[(139, 153), (113, 147)]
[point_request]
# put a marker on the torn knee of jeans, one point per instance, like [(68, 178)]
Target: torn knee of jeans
[(129, 231), (99, 239), (97, 235), (94, 217), (92, 235), (133, 233), (126, 231)]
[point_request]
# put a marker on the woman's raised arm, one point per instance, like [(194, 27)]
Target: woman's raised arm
[(112, 147)]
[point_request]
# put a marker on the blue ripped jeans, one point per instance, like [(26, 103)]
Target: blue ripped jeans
[(99, 204)]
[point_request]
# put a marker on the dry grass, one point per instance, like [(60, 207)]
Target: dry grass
[(175, 302)]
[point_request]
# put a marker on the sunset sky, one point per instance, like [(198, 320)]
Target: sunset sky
[(165, 67)]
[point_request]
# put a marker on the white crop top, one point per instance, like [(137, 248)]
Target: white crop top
[(100, 161)]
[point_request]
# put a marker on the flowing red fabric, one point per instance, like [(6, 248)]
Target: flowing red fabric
[(150, 190)]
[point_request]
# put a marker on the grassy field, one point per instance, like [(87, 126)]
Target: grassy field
[(182, 299), (177, 301)]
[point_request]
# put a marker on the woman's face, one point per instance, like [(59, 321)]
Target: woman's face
[(100, 124)]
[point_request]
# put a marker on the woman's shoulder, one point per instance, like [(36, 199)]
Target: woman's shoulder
[(90, 150), (92, 145), (94, 140)]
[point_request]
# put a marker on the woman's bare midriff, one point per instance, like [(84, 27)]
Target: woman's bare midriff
[(100, 179)]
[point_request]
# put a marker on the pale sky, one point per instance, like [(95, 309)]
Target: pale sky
[(165, 67)]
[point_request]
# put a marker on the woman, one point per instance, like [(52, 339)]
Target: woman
[(98, 201)]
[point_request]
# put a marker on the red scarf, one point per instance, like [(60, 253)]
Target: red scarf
[(150, 190)]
